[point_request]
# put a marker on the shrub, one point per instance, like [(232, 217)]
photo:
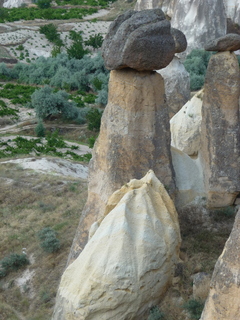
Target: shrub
[(44, 4), (76, 50), (155, 314), (196, 64), (50, 32), (195, 308), (40, 129), (95, 41), (47, 103), (12, 262), (94, 119), (48, 240)]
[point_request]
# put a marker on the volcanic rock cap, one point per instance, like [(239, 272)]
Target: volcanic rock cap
[(141, 40), (229, 42)]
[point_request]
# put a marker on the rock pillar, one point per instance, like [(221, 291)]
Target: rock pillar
[(223, 302), (220, 140), (134, 137)]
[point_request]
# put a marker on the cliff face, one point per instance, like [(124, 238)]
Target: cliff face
[(199, 20)]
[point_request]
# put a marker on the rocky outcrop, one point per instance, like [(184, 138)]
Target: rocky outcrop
[(143, 41), (179, 39), (177, 85), (134, 137), (129, 261), (167, 6), (229, 42), (13, 3), (224, 298), (189, 179), (199, 20), (232, 8), (220, 138), (185, 126)]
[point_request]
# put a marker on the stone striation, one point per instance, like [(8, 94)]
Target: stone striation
[(139, 40), (185, 126), (167, 6), (229, 42), (177, 85), (128, 263), (134, 137), (220, 138), (224, 298)]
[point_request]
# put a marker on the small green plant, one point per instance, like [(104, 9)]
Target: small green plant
[(91, 142), (223, 214), (12, 262), (44, 4), (95, 41), (155, 314), (94, 119), (48, 240), (195, 308), (40, 129)]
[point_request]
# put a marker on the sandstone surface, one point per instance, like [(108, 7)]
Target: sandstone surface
[(134, 137), (177, 85), (129, 261), (185, 126), (224, 298), (229, 42), (189, 179), (142, 41), (220, 137)]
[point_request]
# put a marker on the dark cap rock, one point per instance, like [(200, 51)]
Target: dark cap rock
[(180, 40), (229, 42), (140, 40)]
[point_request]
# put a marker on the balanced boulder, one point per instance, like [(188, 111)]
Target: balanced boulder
[(180, 40), (139, 40), (128, 263), (229, 42)]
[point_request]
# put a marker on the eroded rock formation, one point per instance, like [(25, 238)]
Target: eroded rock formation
[(134, 137), (220, 138), (185, 126), (223, 302), (129, 261), (177, 85), (142, 41), (229, 42)]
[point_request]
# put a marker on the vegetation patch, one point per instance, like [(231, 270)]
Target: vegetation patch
[(12, 262), (52, 146)]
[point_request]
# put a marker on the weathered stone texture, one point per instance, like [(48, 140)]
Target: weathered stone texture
[(229, 42), (128, 263), (177, 85), (185, 126), (220, 138), (223, 302), (180, 40), (134, 137), (139, 40)]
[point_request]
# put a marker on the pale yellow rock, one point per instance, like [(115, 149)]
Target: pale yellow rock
[(134, 137), (128, 263), (223, 302), (185, 126)]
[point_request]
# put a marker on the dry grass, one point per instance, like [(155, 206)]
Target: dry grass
[(28, 203)]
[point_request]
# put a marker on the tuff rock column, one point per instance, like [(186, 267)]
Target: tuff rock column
[(220, 142), (134, 135)]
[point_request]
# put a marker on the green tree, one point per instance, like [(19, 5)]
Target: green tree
[(94, 119), (40, 129), (95, 41), (76, 50), (44, 4)]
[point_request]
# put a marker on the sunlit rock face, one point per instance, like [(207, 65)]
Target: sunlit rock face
[(128, 263)]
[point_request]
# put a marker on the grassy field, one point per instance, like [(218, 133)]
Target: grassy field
[(30, 202)]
